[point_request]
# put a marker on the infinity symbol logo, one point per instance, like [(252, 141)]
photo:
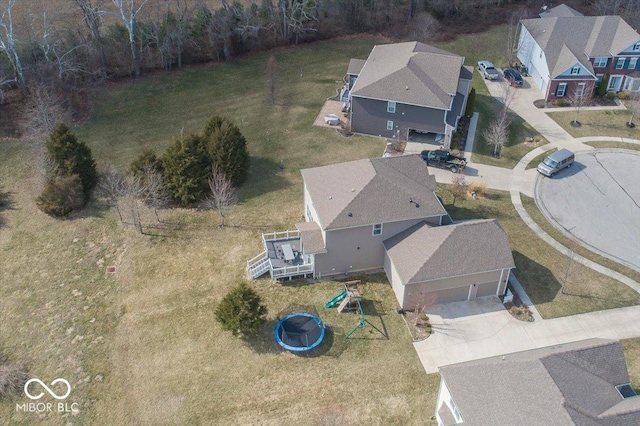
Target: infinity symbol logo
[(52, 393)]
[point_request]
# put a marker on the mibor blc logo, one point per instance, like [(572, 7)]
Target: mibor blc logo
[(41, 407)]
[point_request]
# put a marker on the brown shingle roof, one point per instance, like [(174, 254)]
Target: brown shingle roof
[(412, 73), (425, 253), (570, 40), (311, 237), (379, 190), (566, 384)]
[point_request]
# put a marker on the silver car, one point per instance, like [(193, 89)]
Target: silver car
[(488, 71)]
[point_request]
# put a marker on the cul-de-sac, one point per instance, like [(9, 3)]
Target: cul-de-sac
[(304, 212)]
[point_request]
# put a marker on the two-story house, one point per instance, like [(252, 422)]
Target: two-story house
[(383, 213), (407, 87), (567, 53)]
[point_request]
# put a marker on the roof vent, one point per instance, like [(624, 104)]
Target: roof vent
[(353, 190), (544, 8), (406, 87), (350, 214), (413, 202), (330, 197)]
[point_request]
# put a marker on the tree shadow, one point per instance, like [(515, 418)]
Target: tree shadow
[(265, 175), (538, 281), (7, 202)]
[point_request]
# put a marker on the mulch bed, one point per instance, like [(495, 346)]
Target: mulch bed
[(518, 309)]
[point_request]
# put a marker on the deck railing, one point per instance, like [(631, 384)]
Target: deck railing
[(283, 235), (291, 271)]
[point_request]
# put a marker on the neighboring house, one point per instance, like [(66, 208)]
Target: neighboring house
[(580, 383), (567, 53), (371, 214), (407, 87)]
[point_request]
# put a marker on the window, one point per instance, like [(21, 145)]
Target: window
[(632, 63), (309, 215), (391, 107), (389, 125), (599, 77), (600, 62), (575, 70), (620, 64), (636, 47), (561, 89), (377, 229), (580, 89)]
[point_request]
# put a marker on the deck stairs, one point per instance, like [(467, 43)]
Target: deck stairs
[(258, 266)]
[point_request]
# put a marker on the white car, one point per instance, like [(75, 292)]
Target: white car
[(488, 71)]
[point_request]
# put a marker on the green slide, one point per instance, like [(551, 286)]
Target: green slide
[(333, 302)]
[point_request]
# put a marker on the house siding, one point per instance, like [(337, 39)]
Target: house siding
[(529, 54), (370, 116), (571, 87), (356, 249)]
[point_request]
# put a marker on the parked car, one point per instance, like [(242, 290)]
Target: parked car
[(444, 160), (488, 71), (513, 77), (556, 162)]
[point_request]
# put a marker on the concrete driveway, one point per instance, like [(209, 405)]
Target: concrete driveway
[(597, 202), (480, 328)]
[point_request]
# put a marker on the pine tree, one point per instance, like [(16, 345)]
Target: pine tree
[(241, 311), (227, 149), (471, 103), (186, 165)]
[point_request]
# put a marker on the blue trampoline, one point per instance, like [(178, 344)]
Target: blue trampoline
[(299, 332)]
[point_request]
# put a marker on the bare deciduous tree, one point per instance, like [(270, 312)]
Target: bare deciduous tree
[(128, 13), (223, 194), (580, 97), (43, 110), (633, 105), (497, 133), (425, 26), (272, 79), (8, 39), (459, 188), (91, 15)]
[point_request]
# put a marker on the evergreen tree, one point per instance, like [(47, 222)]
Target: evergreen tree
[(227, 149), (185, 169), (61, 195), (147, 160), (72, 157), (241, 311), (601, 90)]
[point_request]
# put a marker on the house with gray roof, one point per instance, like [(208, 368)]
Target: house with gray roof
[(383, 213), (409, 87), (579, 383), (567, 53)]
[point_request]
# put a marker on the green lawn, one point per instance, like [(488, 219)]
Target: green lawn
[(540, 268), (597, 123)]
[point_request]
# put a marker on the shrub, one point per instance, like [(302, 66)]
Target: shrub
[(625, 95), (601, 89), (12, 380), (227, 149), (61, 195), (72, 157), (611, 96), (241, 311), (561, 102), (480, 188), (471, 103)]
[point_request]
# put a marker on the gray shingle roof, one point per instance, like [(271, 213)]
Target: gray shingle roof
[(568, 384), (423, 253), (412, 73), (560, 10), (570, 40), (369, 191), (311, 237), (355, 66)]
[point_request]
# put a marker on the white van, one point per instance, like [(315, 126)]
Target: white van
[(556, 162)]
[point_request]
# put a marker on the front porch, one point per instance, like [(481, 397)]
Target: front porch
[(282, 257)]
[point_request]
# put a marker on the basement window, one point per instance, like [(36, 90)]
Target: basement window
[(626, 391)]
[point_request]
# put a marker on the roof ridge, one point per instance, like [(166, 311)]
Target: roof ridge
[(358, 192), (450, 229)]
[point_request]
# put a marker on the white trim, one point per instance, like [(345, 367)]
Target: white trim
[(580, 89), (620, 61), (597, 62), (564, 90), (634, 62), (499, 282), (391, 107)]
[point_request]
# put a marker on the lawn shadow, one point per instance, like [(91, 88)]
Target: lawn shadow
[(537, 280), (265, 175), (7, 202), (372, 326)]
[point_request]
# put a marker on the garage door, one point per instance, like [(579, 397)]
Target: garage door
[(533, 71), (452, 294), (487, 289)]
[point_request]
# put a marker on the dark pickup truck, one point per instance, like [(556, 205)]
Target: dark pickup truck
[(444, 160)]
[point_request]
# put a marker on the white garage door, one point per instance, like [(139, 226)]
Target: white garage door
[(533, 71)]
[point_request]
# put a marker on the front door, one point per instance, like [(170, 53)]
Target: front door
[(614, 83)]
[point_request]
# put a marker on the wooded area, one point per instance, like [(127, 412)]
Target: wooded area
[(52, 48)]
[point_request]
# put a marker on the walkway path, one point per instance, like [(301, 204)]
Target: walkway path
[(459, 335)]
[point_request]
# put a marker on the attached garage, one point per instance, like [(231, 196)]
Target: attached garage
[(440, 264)]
